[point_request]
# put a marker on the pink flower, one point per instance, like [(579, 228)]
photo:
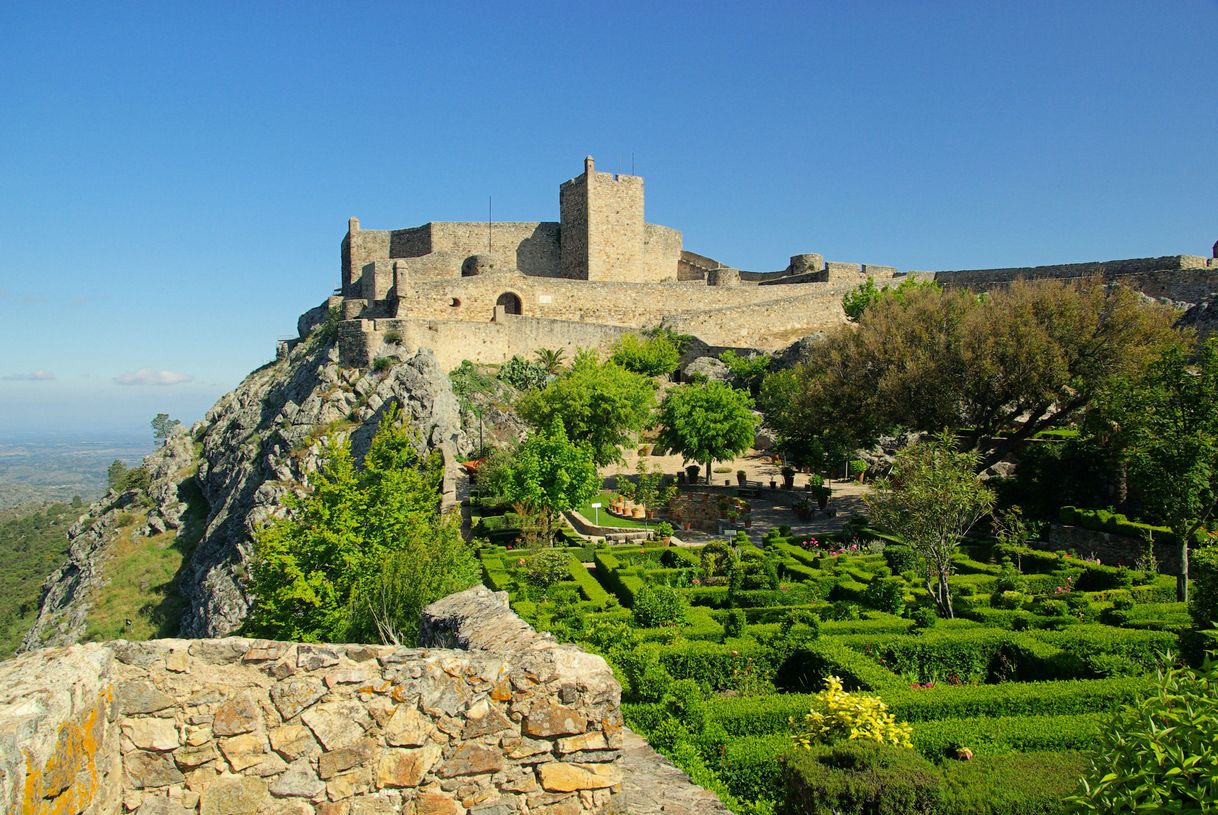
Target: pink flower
[(520, 562)]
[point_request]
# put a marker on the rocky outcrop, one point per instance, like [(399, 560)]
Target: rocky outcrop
[(1202, 317), (68, 593), (257, 444), (262, 440)]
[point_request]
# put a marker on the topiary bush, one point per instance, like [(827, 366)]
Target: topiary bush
[(860, 779), (886, 594), (900, 558), (656, 606)]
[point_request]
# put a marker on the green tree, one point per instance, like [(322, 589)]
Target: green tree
[(747, 371), (362, 550), (549, 474), (1171, 427), (1011, 363), (856, 301), (1159, 754), (931, 500), (655, 355), (162, 426), (601, 404), (707, 422)]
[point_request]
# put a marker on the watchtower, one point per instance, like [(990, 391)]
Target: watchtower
[(602, 231)]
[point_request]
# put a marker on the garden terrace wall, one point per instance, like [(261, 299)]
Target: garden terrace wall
[(516, 723)]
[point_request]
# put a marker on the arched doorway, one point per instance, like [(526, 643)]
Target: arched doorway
[(510, 303)]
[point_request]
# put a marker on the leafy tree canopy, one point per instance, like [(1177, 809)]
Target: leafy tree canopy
[(363, 551), (856, 301), (707, 422), (655, 355), (1015, 362), (1170, 428), (162, 426), (931, 500), (549, 473), (601, 404)]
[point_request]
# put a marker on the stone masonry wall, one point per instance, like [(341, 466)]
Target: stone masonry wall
[(515, 724), (1187, 278)]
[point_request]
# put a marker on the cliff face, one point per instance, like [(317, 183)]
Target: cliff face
[(258, 442)]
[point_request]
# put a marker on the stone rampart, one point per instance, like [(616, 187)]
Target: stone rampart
[(1177, 277), (514, 723)]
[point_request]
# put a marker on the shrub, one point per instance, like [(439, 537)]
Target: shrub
[(382, 364), (995, 735), (393, 337), (643, 677), (658, 605), (548, 567), (924, 617), (1203, 605), (1159, 753), (523, 374), (838, 716), (651, 356), (1015, 784), (860, 779), (887, 594), (735, 623), (900, 558)]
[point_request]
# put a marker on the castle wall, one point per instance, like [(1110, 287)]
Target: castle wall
[(221, 727), (661, 252), (637, 305), (1177, 277), (359, 248), (770, 324), (573, 243), (616, 228), (489, 342)]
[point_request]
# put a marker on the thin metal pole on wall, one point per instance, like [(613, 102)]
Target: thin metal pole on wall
[(489, 201)]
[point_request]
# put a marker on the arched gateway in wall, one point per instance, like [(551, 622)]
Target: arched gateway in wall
[(510, 302)]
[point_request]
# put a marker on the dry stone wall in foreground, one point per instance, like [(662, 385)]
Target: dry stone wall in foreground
[(496, 720)]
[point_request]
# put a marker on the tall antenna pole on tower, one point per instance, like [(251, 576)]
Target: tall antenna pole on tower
[(632, 162)]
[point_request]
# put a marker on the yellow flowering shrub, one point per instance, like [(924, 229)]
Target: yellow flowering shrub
[(837, 715)]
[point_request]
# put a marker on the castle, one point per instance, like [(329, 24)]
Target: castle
[(485, 291)]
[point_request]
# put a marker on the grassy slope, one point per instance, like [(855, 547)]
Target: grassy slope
[(33, 542), (141, 578)]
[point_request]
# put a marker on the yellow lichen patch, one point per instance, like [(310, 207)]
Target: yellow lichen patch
[(67, 781)]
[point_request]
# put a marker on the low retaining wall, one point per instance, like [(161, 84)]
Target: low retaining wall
[(515, 723), (1112, 550)]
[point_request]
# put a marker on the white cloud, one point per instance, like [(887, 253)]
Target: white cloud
[(147, 376), (39, 375)]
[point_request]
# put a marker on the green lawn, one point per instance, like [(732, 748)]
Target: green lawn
[(610, 520)]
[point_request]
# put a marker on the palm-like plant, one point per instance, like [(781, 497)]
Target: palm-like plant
[(552, 359)]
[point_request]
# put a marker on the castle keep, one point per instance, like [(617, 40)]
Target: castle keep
[(485, 291)]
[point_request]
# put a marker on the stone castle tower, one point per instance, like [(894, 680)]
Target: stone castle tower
[(603, 232)]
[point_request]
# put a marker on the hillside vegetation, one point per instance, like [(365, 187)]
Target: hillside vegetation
[(33, 541)]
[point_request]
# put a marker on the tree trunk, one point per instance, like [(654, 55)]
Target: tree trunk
[(709, 462), (1182, 578)]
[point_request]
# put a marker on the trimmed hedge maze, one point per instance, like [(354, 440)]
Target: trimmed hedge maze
[(1002, 700)]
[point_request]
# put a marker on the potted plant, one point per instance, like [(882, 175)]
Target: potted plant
[(788, 477), (803, 509), (816, 486), (740, 474), (858, 468), (691, 473), (664, 532)]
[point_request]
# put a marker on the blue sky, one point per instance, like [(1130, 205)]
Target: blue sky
[(175, 178)]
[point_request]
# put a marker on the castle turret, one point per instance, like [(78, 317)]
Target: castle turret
[(603, 232)]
